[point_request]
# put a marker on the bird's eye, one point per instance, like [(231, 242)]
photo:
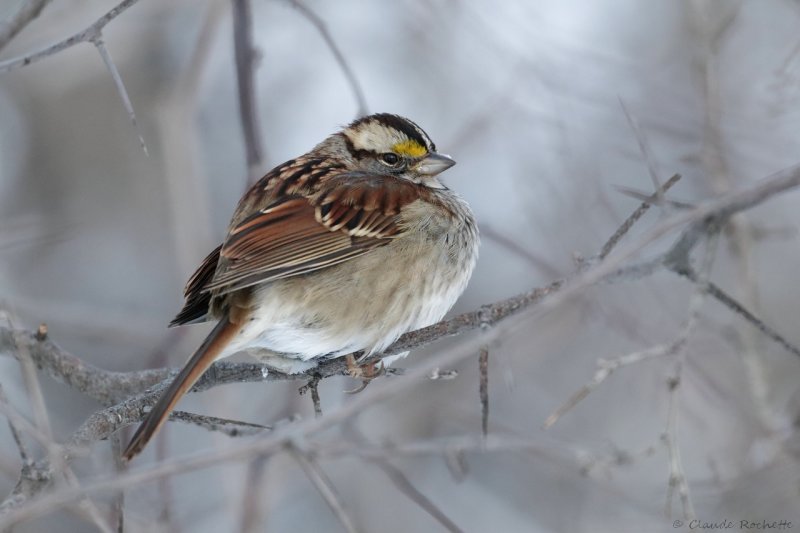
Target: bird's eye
[(390, 158)]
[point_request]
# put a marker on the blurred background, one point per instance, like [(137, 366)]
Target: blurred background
[(97, 240)]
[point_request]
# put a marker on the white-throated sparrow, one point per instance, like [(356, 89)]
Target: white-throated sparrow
[(343, 249)]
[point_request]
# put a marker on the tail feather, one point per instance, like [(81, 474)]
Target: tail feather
[(202, 359)]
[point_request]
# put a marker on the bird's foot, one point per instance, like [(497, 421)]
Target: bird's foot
[(366, 372)]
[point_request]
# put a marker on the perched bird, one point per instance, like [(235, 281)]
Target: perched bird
[(340, 250)]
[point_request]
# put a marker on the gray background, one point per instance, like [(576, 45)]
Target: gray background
[(96, 239)]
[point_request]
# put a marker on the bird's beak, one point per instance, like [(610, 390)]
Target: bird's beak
[(434, 164)]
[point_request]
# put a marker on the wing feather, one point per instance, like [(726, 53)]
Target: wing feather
[(195, 308), (343, 217)]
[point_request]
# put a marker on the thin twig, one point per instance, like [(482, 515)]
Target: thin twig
[(34, 388), (94, 35), (398, 478), (24, 426), (494, 443), (86, 505), (324, 486), (252, 504), (737, 307), (617, 458), (120, 466), (245, 77), (483, 389), (98, 42), (404, 485), (313, 387), (649, 199), (16, 22), (488, 233), (606, 367), (634, 217), (15, 432), (322, 28), (231, 428), (644, 147), (83, 36), (712, 27), (677, 474), (33, 478)]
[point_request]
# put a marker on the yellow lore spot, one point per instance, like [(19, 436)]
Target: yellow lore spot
[(410, 148)]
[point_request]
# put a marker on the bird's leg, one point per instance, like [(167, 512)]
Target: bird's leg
[(366, 372), (353, 368)]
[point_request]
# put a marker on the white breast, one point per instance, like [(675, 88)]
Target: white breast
[(362, 304)]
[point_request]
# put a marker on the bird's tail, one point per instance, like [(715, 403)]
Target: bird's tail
[(202, 359)]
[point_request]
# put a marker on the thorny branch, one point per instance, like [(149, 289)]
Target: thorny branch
[(127, 395)]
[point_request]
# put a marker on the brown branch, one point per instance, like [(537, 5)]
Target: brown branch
[(112, 387), (243, 449), (697, 222), (16, 22)]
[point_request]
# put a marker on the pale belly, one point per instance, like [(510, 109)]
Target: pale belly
[(363, 304)]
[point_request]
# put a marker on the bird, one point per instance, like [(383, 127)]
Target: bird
[(340, 250)]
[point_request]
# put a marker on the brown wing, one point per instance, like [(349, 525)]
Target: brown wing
[(344, 217), (197, 300)]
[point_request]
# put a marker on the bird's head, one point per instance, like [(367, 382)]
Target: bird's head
[(390, 144)]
